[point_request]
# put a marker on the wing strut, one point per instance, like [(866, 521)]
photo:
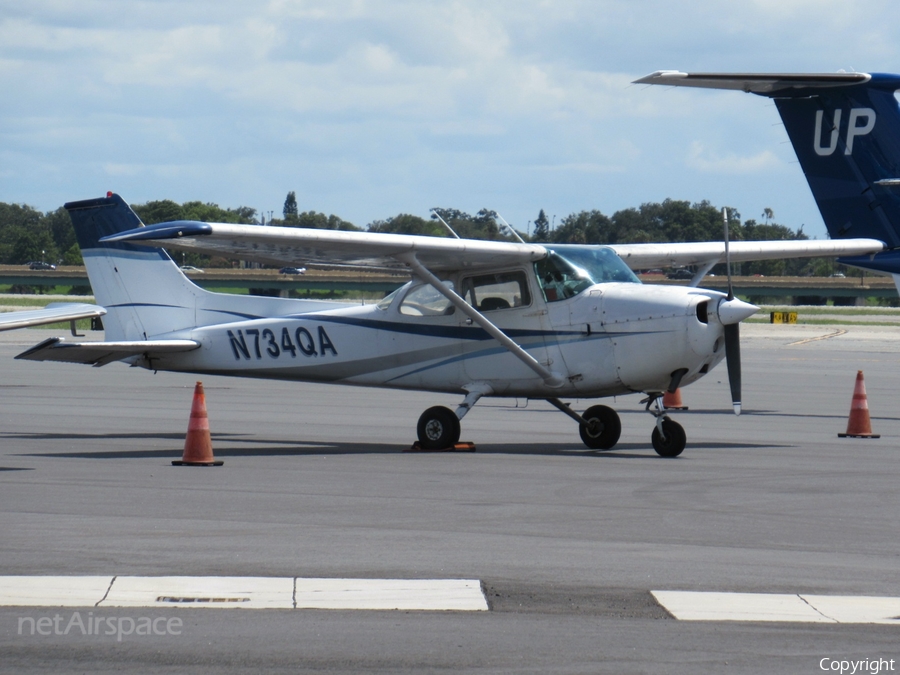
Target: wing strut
[(550, 378)]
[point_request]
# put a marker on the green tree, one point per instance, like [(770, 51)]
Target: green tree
[(405, 223), (25, 235), (541, 228), (290, 205), (586, 227)]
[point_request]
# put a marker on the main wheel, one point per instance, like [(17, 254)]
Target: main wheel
[(438, 428), (673, 443), (603, 428)]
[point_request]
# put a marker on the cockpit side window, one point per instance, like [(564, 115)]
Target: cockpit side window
[(503, 290), (386, 301)]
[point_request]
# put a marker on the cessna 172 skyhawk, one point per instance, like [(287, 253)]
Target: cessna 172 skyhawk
[(481, 318)]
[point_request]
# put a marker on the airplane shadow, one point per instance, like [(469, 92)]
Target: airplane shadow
[(235, 445), (746, 412)]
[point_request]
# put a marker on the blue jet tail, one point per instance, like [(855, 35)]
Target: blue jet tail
[(845, 129)]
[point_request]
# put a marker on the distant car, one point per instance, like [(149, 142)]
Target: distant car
[(680, 274), (292, 270), (38, 265), (191, 268), (838, 275)]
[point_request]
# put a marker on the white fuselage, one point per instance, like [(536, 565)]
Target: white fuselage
[(612, 338)]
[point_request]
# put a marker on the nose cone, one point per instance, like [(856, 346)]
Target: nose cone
[(734, 311)]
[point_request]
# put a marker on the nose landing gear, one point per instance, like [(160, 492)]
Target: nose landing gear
[(668, 437)]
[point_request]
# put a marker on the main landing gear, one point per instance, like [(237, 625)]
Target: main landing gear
[(599, 426), (438, 428)]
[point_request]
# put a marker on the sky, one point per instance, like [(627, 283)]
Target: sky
[(372, 108)]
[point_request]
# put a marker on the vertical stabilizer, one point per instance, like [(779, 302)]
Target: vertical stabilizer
[(142, 289), (848, 142)]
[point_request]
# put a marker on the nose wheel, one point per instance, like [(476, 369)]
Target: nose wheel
[(670, 441), (668, 437)]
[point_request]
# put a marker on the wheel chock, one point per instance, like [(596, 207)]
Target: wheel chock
[(464, 446)]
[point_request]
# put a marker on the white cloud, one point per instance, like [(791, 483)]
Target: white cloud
[(703, 159), (368, 107)]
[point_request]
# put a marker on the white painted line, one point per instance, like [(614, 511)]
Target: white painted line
[(30, 591), (690, 606), (405, 594), (217, 592), (702, 606), (857, 609), (244, 592)]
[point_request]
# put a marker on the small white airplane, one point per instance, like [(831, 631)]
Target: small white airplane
[(478, 318)]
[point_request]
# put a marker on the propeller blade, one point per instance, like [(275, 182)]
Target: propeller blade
[(733, 361)]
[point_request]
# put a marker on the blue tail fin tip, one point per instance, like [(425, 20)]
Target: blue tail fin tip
[(94, 219)]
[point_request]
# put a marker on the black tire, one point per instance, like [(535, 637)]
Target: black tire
[(674, 442), (438, 428), (604, 430)]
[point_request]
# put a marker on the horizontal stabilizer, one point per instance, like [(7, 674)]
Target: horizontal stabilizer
[(101, 353), (757, 83), (52, 313)]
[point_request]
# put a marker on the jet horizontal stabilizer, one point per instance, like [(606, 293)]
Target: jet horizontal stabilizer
[(101, 353), (757, 83)]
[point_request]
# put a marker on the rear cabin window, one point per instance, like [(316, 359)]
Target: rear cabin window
[(490, 292)]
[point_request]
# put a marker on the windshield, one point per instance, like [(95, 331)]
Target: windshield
[(600, 262), (569, 269)]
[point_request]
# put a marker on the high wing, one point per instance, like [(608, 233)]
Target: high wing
[(641, 256), (53, 313), (280, 245)]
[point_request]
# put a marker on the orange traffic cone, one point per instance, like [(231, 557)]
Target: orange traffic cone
[(859, 425), (198, 444), (673, 401)]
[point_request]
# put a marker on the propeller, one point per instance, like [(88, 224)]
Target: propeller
[(731, 313)]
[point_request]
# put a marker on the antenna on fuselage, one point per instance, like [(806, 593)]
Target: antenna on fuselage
[(435, 214), (509, 227)]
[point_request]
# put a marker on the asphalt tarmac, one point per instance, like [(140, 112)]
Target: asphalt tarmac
[(568, 543)]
